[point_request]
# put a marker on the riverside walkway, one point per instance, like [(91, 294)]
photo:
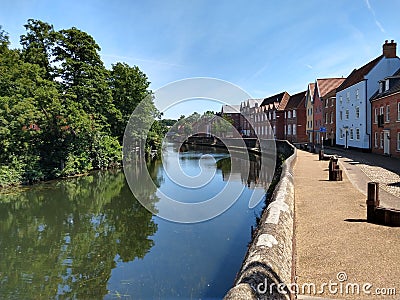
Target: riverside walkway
[(335, 244)]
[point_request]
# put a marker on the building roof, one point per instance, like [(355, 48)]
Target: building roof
[(230, 109), (326, 85), (357, 75), (393, 88), (278, 101), (296, 100)]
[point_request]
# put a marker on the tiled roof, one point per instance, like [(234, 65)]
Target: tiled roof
[(230, 109), (295, 100), (326, 85), (279, 101), (395, 87), (358, 74)]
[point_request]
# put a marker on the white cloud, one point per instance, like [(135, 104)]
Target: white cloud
[(378, 24)]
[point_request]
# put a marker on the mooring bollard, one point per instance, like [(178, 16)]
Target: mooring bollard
[(372, 200), (332, 167), (321, 154)]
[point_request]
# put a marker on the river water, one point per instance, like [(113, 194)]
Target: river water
[(89, 238)]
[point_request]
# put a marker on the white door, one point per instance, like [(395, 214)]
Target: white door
[(386, 142)]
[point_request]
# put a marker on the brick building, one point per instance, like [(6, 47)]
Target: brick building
[(296, 119), (385, 104)]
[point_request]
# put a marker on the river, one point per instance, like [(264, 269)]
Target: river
[(89, 238)]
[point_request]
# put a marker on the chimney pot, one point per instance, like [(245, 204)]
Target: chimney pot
[(386, 41), (392, 41)]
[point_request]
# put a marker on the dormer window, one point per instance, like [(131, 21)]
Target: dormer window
[(380, 87), (387, 85)]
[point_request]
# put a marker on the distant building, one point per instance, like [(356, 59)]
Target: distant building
[(248, 110), (329, 111), (295, 119), (272, 110), (321, 88), (353, 108), (309, 105), (386, 116), (233, 112)]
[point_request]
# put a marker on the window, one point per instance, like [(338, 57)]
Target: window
[(332, 101), (398, 111), (341, 133), (357, 134), (285, 115), (274, 115), (357, 94), (351, 134), (380, 87), (294, 113), (340, 115), (387, 113), (289, 114), (347, 114), (376, 140), (381, 141), (326, 102), (398, 141), (357, 112), (294, 129), (348, 96), (326, 118), (387, 85), (289, 129), (340, 100), (331, 117), (285, 129), (376, 115)]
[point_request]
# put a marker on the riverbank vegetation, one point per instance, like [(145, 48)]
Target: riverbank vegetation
[(61, 111)]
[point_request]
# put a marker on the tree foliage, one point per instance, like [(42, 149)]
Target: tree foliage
[(61, 111)]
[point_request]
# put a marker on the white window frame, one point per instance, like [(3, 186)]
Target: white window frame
[(351, 134), (341, 133), (348, 96), (289, 114), (357, 112), (357, 134), (357, 94), (387, 113), (347, 114), (376, 140), (294, 113), (331, 117), (340, 115), (381, 140), (294, 126), (340, 99), (398, 141), (398, 111), (376, 115), (387, 85)]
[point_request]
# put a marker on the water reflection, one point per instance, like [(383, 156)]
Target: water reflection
[(89, 238), (65, 237)]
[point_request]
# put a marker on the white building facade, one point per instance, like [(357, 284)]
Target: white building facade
[(353, 108)]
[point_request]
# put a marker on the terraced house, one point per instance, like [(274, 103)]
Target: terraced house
[(295, 119), (386, 117), (353, 108), (321, 88)]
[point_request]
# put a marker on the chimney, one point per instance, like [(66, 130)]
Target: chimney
[(389, 49)]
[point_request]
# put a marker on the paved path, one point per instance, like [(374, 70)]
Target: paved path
[(362, 168), (335, 241)]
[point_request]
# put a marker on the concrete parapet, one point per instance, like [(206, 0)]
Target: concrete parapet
[(268, 269)]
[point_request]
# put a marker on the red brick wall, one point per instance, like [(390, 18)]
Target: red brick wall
[(330, 135), (393, 125)]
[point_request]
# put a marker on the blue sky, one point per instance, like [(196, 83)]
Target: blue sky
[(264, 47)]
